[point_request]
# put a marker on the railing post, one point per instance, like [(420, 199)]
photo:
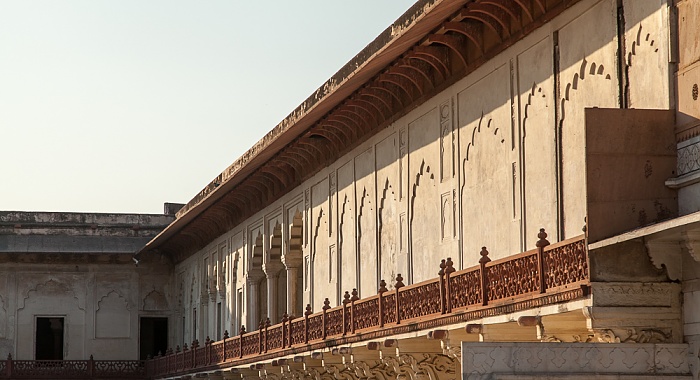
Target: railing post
[(184, 353), (149, 367), (326, 306), (441, 282), (207, 349), (382, 289), (195, 345), (284, 329), (9, 366), (223, 356), (484, 276), (398, 286), (240, 341), (346, 301), (168, 368), (291, 318), (177, 357), (91, 367), (449, 269), (261, 326), (307, 313), (158, 365), (355, 297), (541, 243), (267, 326)]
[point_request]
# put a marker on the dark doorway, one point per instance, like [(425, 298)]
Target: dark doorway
[(49, 338), (154, 336)]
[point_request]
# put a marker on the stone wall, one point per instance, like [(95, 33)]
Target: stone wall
[(79, 267), (574, 361), (477, 165)]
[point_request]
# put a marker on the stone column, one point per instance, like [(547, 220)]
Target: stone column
[(292, 265), (253, 282), (272, 272)]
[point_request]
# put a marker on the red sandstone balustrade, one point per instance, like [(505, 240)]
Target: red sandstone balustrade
[(73, 369), (546, 269)]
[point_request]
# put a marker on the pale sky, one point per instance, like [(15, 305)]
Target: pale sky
[(122, 105)]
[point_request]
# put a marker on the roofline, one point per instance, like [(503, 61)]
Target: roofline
[(360, 69)]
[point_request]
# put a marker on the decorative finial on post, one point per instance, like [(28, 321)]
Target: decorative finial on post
[(484, 256), (346, 298), (207, 341), (308, 310), (326, 304), (542, 236), (399, 281), (285, 317), (242, 330), (226, 334), (355, 295), (382, 287), (449, 266), (441, 272), (267, 322)]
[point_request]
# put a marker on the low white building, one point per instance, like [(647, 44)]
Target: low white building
[(69, 288)]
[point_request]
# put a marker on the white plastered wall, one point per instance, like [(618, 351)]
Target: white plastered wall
[(476, 165)]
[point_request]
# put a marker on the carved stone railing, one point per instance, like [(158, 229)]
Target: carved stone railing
[(548, 274), (72, 369)]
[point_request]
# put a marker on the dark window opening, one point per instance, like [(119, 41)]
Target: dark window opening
[(49, 338), (153, 337)]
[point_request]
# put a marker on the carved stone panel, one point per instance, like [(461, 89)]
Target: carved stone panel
[(112, 317), (424, 196), (539, 359), (486, 170)]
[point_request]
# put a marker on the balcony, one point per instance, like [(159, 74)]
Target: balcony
[(547, 275)]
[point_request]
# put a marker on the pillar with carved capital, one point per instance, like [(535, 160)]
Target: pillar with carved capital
[(272, 271), (292, 263), (253, 282)]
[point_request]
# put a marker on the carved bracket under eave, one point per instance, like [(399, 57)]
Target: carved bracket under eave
[(691, 241), (668, 254)]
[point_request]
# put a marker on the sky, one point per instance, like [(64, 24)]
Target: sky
[(122, 105)]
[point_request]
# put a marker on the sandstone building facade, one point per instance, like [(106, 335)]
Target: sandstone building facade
[(467, 124), (490, 189)]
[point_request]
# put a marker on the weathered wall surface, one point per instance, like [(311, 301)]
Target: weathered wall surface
[(688, 107), (486, 162), (588, 79), (691, 307), (78, 266), (101, 305)]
